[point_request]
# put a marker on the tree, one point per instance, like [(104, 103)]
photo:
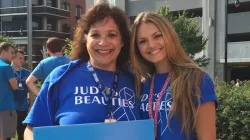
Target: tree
[(7, 39), (68, 47), (188, 32)]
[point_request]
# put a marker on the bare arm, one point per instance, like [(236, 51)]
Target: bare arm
[(31, 84), (31, 100), (206, 126), (28, 133), (13, 83)]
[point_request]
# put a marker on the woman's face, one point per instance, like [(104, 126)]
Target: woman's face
[(104, 43), (151, 43)]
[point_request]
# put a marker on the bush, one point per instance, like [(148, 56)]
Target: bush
[(68, 47), (7, 39), (233, 113), (188, 31)]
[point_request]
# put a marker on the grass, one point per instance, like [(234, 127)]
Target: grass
[(14, 138)]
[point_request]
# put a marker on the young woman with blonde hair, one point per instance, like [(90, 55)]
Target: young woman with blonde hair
[(175, 92)]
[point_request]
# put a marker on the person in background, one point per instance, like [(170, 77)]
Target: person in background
[(8, 83), (232, 83), (237, 83), (55, 48), (22, 103), (178, 94), (241, 83), (96, 87)]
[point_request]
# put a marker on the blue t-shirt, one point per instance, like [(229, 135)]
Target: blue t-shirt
[(6, 92), (47, 65), (20, 96), (74, 98), (163, 131)]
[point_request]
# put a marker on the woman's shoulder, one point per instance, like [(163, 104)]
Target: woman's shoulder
[(206, 79)]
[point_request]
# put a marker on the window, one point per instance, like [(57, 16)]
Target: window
[(66, 6), (13, 23), (78, 11), (51, 24), (37, 23), (12, 3), (112, 2), (34, 2), (49, 3), (66, 28), (34, 25)]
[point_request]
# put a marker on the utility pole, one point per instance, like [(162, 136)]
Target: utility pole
[(29, 20)]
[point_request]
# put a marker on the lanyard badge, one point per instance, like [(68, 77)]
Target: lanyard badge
[(19, 79), (105, 90), (158, 100)]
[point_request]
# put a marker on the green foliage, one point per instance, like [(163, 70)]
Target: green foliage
[(7, 39), (39, 83), (233, 113), (188, 31), (68, 46)]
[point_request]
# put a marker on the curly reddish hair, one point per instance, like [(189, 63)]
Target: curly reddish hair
[(96, 14)]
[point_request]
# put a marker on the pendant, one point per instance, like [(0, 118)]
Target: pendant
[(107, 91)]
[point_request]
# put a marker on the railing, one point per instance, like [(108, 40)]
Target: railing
[(13, 10), (50, 10), (37, 34), (47, 33), (43, 10)]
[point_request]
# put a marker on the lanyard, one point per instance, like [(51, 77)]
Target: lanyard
[(19, 76), (150, 100), (101, 87)]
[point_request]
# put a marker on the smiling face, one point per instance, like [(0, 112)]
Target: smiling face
[(151, 43), (104, 43)]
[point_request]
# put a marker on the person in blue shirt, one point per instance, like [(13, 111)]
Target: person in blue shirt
[(175, 92), (55, 48), (22, 104), (97, 86), (8, 83)]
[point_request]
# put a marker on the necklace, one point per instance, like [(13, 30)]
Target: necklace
[(106, 86), (108, 99), (150, 100)]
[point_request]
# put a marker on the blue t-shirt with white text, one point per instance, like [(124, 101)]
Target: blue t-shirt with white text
[(20, 96), (171, 131), (76, 99), (6, 92), (44, 68)]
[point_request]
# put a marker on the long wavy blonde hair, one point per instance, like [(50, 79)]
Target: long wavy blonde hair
[(187, 75)]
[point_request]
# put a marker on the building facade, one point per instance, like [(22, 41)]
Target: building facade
[(76, 9), (31, 22), (213, 20)]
